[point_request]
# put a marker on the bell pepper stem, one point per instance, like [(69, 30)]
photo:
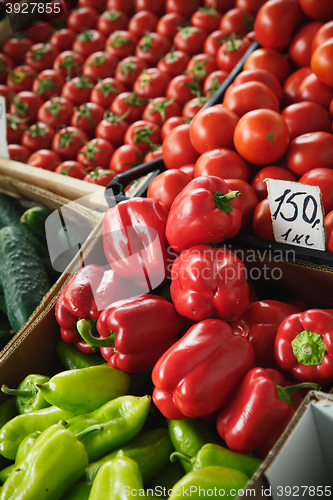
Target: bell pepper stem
[(84, 328), (285, 393), (222, 201), (17, 392), (177, 454), (308, 348), (88, 431)]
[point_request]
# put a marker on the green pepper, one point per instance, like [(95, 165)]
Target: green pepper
[(8, 410), (188, 436), (122, 419), (117, 479), (25, 446), (28, 396), (85, 389), (72, 358), (212, 482), (213, 454), (80, 491), (151, 451), (6, 472), (164, 480), (16, 429), (55, 462)]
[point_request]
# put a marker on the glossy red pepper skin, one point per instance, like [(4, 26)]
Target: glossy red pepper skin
[(194, 217), (209, 283), (255, 417), (134, 241), (146, 326), (319, 350), (85, 296), (260, 323), (198, 374)]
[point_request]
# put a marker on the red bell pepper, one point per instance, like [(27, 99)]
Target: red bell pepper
[(205, 211), (260, 323), (134, 241), (142, 328), (85, 296), (256, 415), (304, 346), (209, 283), (199, 373)]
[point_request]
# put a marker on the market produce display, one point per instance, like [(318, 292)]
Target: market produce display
[(166, 350)]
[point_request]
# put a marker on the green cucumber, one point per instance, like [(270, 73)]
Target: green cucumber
[(35, 218), (23, 276), (3, 307), (10, 215)]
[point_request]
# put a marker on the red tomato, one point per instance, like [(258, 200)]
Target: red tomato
[(154, 154), (96, 153), (270, 60), (100, 176), (20, 79), (44, 158), (130, 104), (5, 65), (38, 136), (292, 84), (230, 52), (328, 223), (206, 18), (188, 169), (321, 62), (167, 185), (214, 41), (7, 94), (249, 96), (71, 169), (190, 39), (312, 89), (14, 128), (151, 83), (222, 163), (112, 20), (68, 141), (68, 63), (169, 23), (112, 128), (300, 45), (323, 34), (317, 9), (40, 56), (237, 21), (47, 84), (26, 104), (16, 48), (124, 158), (142, 21), (18, 152), (177, 148), (87, 117), (62, 40), (174, 63), (251, 6), (78, 89), (275, 22), (126, 6), (201, 65), (248, 198), (185, 7), (155, 6), (213, 128), (262, 221), (309, 151), (171, 123), (158, 110), (151, 47), (143, 134), (99, 5), (213, 81), (128, 70), (261, 136), (121, 44), (305, 117), (88, 42), (56, 112), (183, 88), (99, 65), (262, 76), (322, 177), (258, 182), (82, 19), (192, 107), (105, 92)]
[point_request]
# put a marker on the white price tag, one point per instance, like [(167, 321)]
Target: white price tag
[(3, 129), (297, 214)]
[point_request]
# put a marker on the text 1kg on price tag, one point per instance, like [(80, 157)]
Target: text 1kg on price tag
[(297, 214)]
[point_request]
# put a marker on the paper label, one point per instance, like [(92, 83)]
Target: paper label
[(297, 214), (3, 129)]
